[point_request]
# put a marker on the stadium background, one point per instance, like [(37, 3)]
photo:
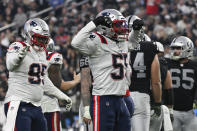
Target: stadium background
[(164, 19)]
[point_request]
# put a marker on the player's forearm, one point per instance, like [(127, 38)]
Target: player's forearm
[(85, 86), (81, 37), (157, 92), (168, 81), (156, 80), (66, 85), (50, 89)]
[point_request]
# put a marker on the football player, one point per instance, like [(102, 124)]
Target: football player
[(50, 105), (145, 74), (167, 94), (184, 77), (107, 52), (27, 64)]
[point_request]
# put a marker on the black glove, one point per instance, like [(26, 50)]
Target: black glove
[(103, 20), (157, 109), (137, 24)]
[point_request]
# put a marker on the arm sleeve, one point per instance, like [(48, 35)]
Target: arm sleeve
[(82, 41), (12, 58), (55, 74), (133, 39), (50, 89)]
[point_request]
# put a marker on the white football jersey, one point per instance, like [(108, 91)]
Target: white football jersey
[(108, 61), (26, 81), (50, 103)]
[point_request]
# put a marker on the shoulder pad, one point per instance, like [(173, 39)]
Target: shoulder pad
[(55, 58), (83, 63), (16, 46)]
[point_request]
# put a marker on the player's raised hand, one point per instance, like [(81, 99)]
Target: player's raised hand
[(22, 53), (103, 20), (86, 115), (138, 24), (76, 77)]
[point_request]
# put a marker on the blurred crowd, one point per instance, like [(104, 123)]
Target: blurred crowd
[(164, 19)]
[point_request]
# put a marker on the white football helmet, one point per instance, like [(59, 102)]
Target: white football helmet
[(184, 44), (130, 19), (119, 29), (36, 33), (160, 47)]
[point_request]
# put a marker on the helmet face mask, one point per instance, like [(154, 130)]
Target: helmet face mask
[(36, 33), (181, 47), (40, 40), (119, 30)]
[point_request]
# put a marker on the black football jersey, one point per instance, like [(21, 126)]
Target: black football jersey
[(163, 69), (141, 60), (184, 78)]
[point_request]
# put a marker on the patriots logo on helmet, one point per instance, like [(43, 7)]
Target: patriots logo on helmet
[(57, 59), (92, 36), (106, 14), (33, 24)]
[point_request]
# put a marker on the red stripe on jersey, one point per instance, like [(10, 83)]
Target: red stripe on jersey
[(98, 112), (127, 93), (53, 119), (50, 55), (57, 121), (8, 104), (103, 40), (22, 43), (94, 110)]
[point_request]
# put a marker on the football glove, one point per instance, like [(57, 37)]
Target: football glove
[(157, 109), (22, 53), (68, 103), (101, 20), (137, 24)]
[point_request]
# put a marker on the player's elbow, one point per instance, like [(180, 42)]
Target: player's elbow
[(156, 85), (75, 43), (10, 66)]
